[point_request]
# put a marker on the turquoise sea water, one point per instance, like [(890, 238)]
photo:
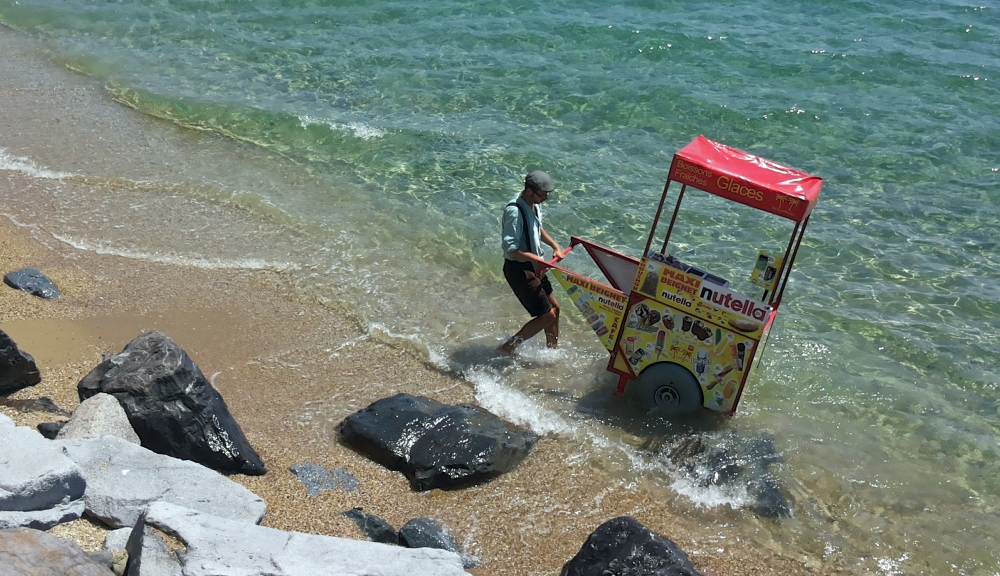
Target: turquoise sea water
[(386, 137)]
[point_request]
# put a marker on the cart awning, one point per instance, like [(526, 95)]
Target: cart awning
[(742, 177)]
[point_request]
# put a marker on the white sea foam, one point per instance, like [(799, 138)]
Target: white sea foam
[(414, 340), (710, 496), (514, 405), (26, 166), (358, 129), (178, 260), (892, 566)]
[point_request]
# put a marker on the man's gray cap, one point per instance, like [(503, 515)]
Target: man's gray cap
[(539, 181)]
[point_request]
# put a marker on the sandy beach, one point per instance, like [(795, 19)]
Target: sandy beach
[(272, 356)]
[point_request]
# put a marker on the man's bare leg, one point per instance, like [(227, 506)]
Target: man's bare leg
[(552, 330), (534, 326)]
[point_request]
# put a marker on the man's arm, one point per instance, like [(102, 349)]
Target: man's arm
[(512, 231), (556, 250)]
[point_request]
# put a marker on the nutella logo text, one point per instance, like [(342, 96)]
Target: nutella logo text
[(743, 306)]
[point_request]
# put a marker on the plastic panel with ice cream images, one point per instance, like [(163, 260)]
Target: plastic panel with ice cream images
[(708, 329), (602, 306), (717, 357)]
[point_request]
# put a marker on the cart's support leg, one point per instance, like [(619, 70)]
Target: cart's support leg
[(622, 380)]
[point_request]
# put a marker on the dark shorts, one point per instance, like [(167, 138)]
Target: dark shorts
[(531, 289)]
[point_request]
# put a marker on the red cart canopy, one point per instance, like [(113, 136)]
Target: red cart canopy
[(745, 178)]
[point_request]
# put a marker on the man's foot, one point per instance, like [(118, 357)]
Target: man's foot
[(510, 345)]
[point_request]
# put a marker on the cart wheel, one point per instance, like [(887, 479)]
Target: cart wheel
[(669, 389)]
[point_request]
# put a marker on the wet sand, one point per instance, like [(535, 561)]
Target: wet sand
[(290, 370)]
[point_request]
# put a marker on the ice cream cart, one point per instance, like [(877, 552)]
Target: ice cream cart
[(680, 338)]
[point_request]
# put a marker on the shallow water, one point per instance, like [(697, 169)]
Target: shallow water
[(366, 151)]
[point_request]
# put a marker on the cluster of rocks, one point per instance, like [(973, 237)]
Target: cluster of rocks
[(742, 463), (417, 533), (143, 452), (100, 465)]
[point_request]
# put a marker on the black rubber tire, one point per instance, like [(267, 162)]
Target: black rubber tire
[(669, 389)]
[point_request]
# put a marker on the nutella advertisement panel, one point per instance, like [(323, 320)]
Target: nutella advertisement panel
[(699, 297), (602, 307)]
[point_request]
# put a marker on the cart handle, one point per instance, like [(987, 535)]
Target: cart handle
[(542, 268)]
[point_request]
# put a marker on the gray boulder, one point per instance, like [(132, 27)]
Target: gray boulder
[(221, 547), (172, 406), (123, 478), (39, 487), (99, 415), (436, 445), (43, 519), (17, 368), (33, 282), (429, 533), (624, 547), (26, 552)]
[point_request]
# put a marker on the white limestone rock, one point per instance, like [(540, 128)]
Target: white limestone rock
[(99, 415), (123, 478), (155, 558), (42, 519), (220, 547), (39, 486)]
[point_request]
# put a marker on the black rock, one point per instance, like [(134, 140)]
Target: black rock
[(33, 282), (375, 528), (624, 547), (427, 533), (436, 445), (50, 429), (172, 406), (737, 461), (17, 368), (768, 499)]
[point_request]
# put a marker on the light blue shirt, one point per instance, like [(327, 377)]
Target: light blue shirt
[(513, 229)]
